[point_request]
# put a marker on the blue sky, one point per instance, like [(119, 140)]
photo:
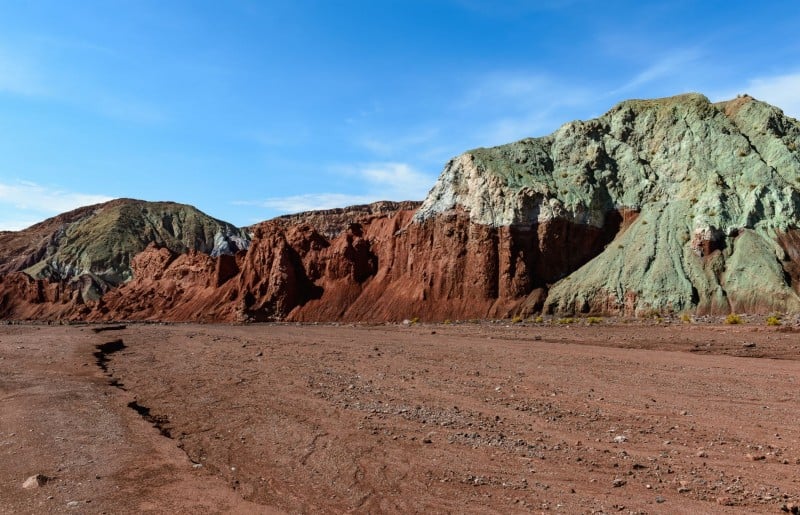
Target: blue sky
[(248, 109)]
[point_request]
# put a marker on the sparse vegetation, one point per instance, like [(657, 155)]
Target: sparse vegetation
[(773, 321), (792, 145), (414, 320), (733, 319), (686, 318), (516, 319), (566, 321), (447, 321), (539, 320), (594, 320)]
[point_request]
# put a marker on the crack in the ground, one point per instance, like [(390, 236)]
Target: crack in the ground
[(108, 328), (160, 422), (103, 351)]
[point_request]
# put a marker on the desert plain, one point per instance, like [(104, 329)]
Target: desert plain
[(491, 417)]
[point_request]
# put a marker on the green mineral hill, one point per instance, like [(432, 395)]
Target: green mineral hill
[(716, 187), (100, 240)]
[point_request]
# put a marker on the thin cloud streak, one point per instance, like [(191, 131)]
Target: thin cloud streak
[(16, 224), (310, 202), (18, 77), (667, 66), (384, 181), (781, 90), (509, 106), (33, 199)]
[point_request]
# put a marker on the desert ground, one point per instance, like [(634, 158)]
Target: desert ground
[(639, 417)]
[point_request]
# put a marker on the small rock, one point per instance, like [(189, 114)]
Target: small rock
[(660, 499), (702, 454), (618, 482), (755, 457), (790, 508), (35, 481), (73, 504), (620, 439), (748, 345), (259, 354), (684, 413)]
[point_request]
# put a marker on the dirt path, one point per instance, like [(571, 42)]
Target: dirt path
[(467, 418)]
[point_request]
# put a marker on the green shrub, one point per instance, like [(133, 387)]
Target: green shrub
[(594, 320), (566, 321), (517, 319), (686, 318), (773, 320), (539, 320)]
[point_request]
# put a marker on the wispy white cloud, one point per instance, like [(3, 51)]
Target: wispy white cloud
[(19, 77), (508, 106), (12, 223), (388, 146), (519, 88), (666, 66), (381, 181), (30, 73), (396, 181), (782, 91), (23, 203), (310, 202)]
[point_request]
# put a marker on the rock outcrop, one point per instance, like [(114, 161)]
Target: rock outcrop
[(668, 205), (714, 189)]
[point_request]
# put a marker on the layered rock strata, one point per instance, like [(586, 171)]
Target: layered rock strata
[(668, 205)]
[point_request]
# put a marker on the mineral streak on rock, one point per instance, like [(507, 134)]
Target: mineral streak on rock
[(675, 204)]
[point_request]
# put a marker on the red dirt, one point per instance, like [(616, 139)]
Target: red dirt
[(421, 418)]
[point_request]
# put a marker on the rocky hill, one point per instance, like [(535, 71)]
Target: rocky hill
[(90, 249), (668, 205), (714, 189)]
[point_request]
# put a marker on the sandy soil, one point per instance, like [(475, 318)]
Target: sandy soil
[(473, 418)]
